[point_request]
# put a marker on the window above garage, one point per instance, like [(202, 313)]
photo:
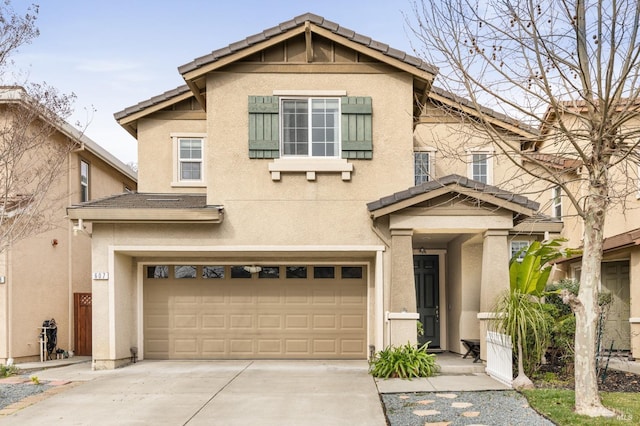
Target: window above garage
[(310, 132)]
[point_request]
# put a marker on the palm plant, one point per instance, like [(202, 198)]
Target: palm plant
[(520, 313)]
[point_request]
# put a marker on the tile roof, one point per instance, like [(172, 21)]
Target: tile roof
[(555, 161), (319, 21), (147, 200), (488, 111), (153, 101), (451, 180)]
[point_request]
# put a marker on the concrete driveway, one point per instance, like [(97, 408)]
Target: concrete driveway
[(211, 393)]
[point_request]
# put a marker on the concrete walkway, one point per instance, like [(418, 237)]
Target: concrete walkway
[(209, 393)]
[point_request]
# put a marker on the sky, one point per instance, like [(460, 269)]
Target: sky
[(113, 54)]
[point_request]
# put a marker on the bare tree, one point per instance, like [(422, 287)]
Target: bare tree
[(568, 71), (33, 143)]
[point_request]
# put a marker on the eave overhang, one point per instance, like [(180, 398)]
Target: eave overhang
[(136, 207), (521, 206), (136, 215)]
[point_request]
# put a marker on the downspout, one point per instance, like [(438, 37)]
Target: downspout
[(70, 239)]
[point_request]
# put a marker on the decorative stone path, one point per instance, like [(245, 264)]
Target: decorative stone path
[(426, 413), (463, 408)]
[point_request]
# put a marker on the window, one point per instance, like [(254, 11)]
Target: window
[(556, 202), (310, 127), (269, 272), (157, 272), (517, 246), (213, 272), (296, 271), (189, 159), (351, 272), (480, 167), (184, 271), (324, 272), (421, 166), (84, 181)]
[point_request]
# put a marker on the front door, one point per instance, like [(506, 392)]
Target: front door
[(425, 269)]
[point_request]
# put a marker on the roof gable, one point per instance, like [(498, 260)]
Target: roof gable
[(457, 184), (306, 23)]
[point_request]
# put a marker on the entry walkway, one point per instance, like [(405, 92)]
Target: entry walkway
[(456, 375)]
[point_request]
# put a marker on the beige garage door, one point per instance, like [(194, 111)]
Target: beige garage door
[(224, 312)]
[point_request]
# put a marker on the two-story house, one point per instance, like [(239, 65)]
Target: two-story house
[(291, 205), (47, 274), (621, 256)]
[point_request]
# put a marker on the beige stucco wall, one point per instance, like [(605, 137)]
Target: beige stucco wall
[(156, 155), (41, 276), (463, 290)]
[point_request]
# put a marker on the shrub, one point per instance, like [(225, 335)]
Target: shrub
[(8, 370), (404, 362)]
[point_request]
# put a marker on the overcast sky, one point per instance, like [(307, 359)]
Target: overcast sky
[(113, 53)]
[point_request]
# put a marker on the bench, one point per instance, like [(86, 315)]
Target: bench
[(473, 348)]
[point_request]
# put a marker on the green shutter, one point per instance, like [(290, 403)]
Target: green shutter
[(264, 136), (357, 142)]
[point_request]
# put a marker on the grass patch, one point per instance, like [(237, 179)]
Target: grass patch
[(557, 405)]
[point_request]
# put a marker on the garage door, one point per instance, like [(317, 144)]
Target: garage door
[(233, 312)]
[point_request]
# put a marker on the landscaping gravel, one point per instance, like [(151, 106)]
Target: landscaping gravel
[(14, 392), (461, 408)]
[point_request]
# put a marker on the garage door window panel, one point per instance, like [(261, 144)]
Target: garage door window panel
[(299, 272), (184, 271), (352, 272), (213, 272), (324, 272), (269, 272), (157, 272), (239, 272)]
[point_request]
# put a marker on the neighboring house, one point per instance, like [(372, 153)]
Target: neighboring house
[(291, 205), (621, 258), (48, 274)]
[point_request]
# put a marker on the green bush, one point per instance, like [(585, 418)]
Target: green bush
[(8, 370), (404, 362)]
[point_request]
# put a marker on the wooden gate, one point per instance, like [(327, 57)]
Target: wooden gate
[(82, 328)]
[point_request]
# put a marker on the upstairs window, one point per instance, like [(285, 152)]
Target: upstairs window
[(480, 167), (84, 181), (556, 202), (189, 160), (421, 167), (310, 127)]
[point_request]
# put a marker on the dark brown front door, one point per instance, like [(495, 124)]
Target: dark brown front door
[(82, 329)]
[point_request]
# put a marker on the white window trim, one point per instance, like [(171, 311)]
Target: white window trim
[(310, 93), (175, 137), (310, 166), (553, 202), (490, 153)]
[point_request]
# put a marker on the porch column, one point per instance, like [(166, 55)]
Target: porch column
[(494, 278), (402, 316), (634, 308)]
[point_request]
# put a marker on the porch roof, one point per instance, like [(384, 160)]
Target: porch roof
[(519, 204), (148, 207)]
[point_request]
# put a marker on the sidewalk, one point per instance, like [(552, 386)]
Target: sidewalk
[(456, 375), (27, 367)]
